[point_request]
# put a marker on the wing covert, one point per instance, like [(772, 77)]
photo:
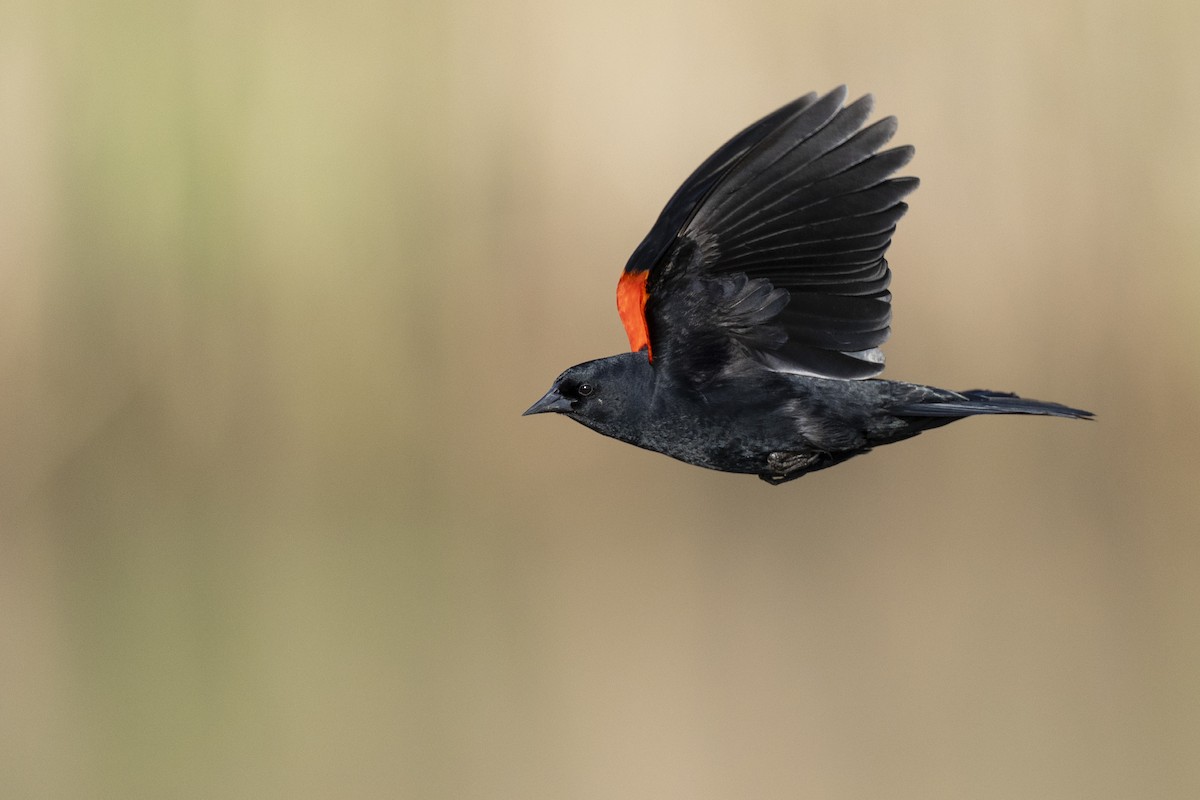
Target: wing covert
[(773, 249)]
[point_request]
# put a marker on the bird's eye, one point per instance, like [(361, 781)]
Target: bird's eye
[(585, 389)]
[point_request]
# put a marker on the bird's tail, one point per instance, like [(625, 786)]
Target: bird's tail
[(982, 401)]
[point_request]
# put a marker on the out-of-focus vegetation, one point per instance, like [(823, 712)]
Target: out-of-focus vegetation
[(277, 279)]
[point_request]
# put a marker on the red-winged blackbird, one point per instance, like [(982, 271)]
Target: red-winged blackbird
[(756, 306)]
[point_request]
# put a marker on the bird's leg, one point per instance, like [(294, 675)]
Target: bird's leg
[(784, 467)]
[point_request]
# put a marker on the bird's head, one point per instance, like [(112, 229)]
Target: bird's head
[(603, 394)]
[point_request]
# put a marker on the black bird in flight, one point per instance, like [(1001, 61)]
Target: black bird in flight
[(757, 304)]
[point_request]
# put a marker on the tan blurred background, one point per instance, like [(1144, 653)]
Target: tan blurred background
[(277, 280)]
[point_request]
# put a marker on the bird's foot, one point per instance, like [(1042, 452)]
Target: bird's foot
[(784, 467)]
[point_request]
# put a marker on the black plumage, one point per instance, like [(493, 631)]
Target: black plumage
[(764, 301)]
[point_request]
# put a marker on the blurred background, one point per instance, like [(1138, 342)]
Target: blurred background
[(277, 280)]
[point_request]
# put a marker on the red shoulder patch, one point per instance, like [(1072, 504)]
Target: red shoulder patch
[(631, 305)]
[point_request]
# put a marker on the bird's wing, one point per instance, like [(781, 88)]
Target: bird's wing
[(773, 249)]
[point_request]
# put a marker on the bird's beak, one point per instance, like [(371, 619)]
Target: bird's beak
[(553, 401)]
